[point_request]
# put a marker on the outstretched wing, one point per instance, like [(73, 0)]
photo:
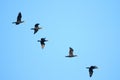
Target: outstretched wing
[(19, 17), (94, 67), (87, 67), (71, 56)]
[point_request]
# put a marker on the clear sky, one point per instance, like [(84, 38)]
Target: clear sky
[(90, 27)]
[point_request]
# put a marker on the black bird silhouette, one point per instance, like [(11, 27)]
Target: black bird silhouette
[(91, 70), (36, 28), (18, 19), (71, 53), (42, 41)]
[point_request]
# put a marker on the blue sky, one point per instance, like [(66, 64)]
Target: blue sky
[(90, 27)]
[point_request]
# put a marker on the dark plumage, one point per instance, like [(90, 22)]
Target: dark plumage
[(18, 19), (71, 53), (36, 28), (42, 41), (91, 70)]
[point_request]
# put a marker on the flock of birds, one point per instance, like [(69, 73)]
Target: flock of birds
[(36, 28), (43, 40)]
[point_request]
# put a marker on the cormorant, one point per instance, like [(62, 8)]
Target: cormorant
[(36, 28), (71, 53), (91, 70), (42, 41), (18, 19)]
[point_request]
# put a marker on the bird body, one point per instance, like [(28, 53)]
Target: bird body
[(91, 70), (18, 19)]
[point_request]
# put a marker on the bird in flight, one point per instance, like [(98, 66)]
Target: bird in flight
[(42, 42), (18, 19), (71, 53), (91, 70), (36, 28)]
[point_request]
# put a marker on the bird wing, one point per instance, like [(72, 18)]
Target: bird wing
[(87, 67), (39, 40), (19, 16), (94, 67)]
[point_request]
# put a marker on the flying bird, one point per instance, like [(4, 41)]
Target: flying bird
[(71, 53), (18, 19), (91, 70), (42, 41), (36, 28)]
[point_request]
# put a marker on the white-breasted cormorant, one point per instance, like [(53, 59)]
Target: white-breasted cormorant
[(36, 28), (42, 41), (71, 53)]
